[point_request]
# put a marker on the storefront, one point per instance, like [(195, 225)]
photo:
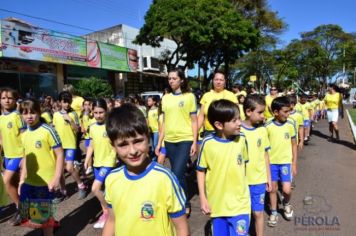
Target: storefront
[(40, 61)]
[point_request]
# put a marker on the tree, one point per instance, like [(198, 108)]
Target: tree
[(208, 32), (93, 88)]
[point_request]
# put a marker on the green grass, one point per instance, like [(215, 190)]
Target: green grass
[(353, 115)]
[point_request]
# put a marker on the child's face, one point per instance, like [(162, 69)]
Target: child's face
[(257, 115), (232, 127), (118, 103), (8, 102), (174, 80), (99, 114), (282, 115), (86, 106), (132, 151), (303, 100), (65, 105), (150, 102), (31, 118)]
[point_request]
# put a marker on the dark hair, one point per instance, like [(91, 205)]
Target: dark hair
[(184, 85), (125, 122), (30, 104), (335, 87), (65, 96), (100, 102), (280, 102), (154, 98), (252, 100), (13, 92), (240, 96), (222, 111), (292, 99)]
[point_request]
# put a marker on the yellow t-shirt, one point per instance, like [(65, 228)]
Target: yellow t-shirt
[(226, 183), (211, 96), (322, 105), (77, 104), (143, 204), (104, 154), (258, 145), (177, 109), (153, 119), (332, 101), (38, 144), (268, 114), (280, 137), (242, 113), (87, 121), (64, 129), (304, 109), (11, 125), (298, 121), (47, 117)]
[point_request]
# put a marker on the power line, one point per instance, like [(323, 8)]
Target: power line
[(49, 20)]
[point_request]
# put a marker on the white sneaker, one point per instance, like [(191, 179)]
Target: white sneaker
[(272, 220), (101, 222), (288, 211), (89, 170)]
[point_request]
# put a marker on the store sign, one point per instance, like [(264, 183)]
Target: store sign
[(23, 41), (27, 42)]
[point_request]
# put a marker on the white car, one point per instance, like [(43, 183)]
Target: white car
[(157, 94)]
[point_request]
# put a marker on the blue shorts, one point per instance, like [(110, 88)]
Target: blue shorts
[(231, 226), (163, 150), (257, 193), (86, 142), (306, 123), (100, 173), (36, 203), (70, 154), (12, 164), (281, 172)]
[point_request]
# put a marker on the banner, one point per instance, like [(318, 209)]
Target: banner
[(24, 41)]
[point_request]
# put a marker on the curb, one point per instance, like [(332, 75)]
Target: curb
[(352, 125)]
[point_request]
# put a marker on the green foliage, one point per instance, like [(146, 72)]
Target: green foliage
[(93, 88)]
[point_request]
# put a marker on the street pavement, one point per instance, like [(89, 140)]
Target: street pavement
[(326, 173)]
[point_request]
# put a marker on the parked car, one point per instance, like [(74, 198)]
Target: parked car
[(157, 94)]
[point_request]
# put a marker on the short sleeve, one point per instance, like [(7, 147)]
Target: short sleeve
[(265, 140), (245, 149), (292, 130), (107, 191), (55, 119), (53, 138), (19, 123), (202, 163), (192, 104), (175, 198)]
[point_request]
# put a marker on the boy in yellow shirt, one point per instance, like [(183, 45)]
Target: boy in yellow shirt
[(222, 182), (283, 156), (143, 196)]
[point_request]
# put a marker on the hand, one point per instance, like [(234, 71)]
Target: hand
[(269, 186), (87, 163), (301, 145), (157, 149), (53, 184), (204, 207), (193, 149), (294, 170)]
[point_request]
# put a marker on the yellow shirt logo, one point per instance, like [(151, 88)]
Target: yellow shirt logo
[(9, 125), (239, 159), (181, 104), (147, 212), (38, 144)]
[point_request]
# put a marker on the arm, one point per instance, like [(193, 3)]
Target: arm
[(301, 137), (23, 174), (268, 169), (88, 156), (109, 227), (341, 107), (193, 149), (201, 117), (294, 157), (160, 137), (181, 225), (72, 123), (204, 205), (59, 168)]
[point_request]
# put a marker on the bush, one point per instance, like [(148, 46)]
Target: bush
[(93, 88)]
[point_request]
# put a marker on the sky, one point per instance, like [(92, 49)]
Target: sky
[(300, 15)]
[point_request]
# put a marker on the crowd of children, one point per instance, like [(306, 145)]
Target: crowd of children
[(250, 146)]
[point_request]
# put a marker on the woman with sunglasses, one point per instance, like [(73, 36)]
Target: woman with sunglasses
[(269, 98)]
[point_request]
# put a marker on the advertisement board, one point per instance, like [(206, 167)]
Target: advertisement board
[(24, 41)]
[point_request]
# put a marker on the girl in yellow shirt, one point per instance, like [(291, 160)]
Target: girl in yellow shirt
[(333, 103)]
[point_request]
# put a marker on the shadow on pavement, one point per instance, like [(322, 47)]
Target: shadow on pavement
[(342, 142)]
